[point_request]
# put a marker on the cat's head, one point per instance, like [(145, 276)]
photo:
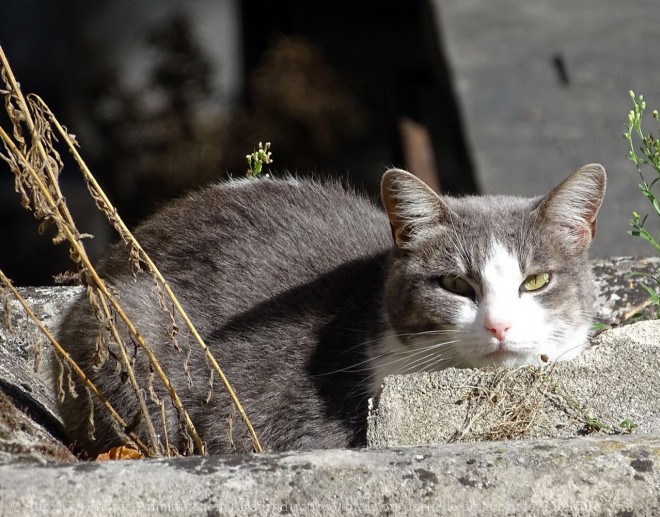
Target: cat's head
[(489, 280)]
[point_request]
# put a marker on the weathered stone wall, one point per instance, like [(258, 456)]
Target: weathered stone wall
[(613, 383), (585, 476)]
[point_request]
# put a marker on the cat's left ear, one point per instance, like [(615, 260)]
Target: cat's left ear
[(572, 206), (411, 205)]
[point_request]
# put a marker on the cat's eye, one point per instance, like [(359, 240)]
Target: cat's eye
[(535, 282), (457, 285)]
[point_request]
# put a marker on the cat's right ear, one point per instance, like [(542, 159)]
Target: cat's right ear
[(411, 205)]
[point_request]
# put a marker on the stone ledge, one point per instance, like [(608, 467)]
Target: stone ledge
[(619, 294), (613, 381), (586, 476)]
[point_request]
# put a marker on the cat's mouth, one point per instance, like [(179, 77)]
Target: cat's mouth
[(503, 353), (503, 350)]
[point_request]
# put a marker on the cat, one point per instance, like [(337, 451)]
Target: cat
[(308, 295)]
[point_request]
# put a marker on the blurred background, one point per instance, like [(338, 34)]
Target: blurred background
[(473, 96)]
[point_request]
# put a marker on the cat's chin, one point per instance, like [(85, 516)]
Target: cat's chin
[(512, 358), (505, 354), (507, 358)]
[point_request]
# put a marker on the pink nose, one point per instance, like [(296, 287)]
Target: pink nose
[(497, 329)]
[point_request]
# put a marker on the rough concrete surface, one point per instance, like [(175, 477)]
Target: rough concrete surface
[(602, 476), (543, 89), (29, 420), (620, 295), (26, 355), (614, 381), (23, 440)]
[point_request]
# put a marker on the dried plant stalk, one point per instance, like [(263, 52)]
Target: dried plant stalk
[(67, 358), (104, 205), (131, 376), (47, 193), (515, 416), (36, 172), (78, 251)]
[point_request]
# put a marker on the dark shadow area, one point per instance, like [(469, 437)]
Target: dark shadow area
[(328, 324), (152, 95), (389, 55)]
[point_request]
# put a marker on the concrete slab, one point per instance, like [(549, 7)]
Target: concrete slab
[(543, 89), (611, 388), (26, 356), (23, 440), (605, 476)]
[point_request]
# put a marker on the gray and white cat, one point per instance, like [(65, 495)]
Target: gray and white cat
[(308, 295)]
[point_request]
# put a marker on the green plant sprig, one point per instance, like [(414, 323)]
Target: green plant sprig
[(257, 159), (644, 152), (650, 156)]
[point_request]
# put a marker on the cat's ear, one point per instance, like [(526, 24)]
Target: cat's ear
[(572, 206), (411, 205)]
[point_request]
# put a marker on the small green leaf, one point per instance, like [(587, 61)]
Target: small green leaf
[(656, 205), (594, 423), (627, 425)]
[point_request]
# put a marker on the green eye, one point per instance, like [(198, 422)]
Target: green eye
[(535, 282), (457, 285)]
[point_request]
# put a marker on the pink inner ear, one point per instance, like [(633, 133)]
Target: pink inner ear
[(585, 234)]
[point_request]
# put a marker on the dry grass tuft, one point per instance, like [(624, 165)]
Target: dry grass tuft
[(519, 403), (36, 164), (499, 409)]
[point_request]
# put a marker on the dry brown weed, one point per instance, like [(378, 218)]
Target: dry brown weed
[(30, 151)]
